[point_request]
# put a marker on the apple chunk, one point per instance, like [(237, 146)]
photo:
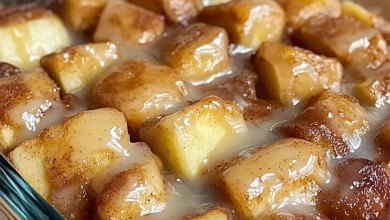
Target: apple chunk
[(82, 15), (333, 121), (382, 141), (128, 24), (175, 11), (290, 74), (216, 213), (30, 102), (73, 68), (268, 176), (199, 52), (345, 38), (27, 36), (249, 22), (299, 11), (193, 135), (142, 90)]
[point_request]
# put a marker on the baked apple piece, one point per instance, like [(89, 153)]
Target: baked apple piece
[(175, 11), (333, 121), (373, 87), (216, 213), (75, 67), (132, 193), (195, 134), (128, 24), (249, 22), (82, 15), (142, 90), (359, 191), (371, 19), (291, 74), (39, 32), (382, 141), (285, 171), (282, 215), (30, 101), (63, 164), (346, 38), (299, 11), (200, 52)]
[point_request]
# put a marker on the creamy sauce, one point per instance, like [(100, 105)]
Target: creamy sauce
[(186, 197)]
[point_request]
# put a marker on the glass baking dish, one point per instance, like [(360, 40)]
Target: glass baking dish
[(19, 201)]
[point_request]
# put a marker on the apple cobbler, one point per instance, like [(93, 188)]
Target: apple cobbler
[(201, 110)]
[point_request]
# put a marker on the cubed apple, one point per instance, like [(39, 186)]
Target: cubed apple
[(28, 104), (134, 192), (249, 22), (82, 15), (128, 24), (27, 36), (359, 190), (195, 134), (75, 67), (299, 11), (291, 74), (200, 52), (333, 121), (216, 213), (142, 90), (345, 38), (355, 10), (382, 141), (175, 11), (261, 180)]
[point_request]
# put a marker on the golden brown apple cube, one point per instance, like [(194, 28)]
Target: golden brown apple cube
[(291, 74), (299, 11), (77, 150), (216, 213), (382, 141), (27, 36), (199, 52), (249, 22), (75, 67), (175, 11), (142, 90), (333, 121), (195, 134), (82, 15), (374, 89), (128, 24), (294, 167), (353, 9), (134, 192), (345, 38), (27, 106)]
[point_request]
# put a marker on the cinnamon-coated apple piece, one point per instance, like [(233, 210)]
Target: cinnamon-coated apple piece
[(291, 74), (128, 24), (360, 190), (333, 121), (216, 213), (200, 52), (195, 134), (287, 170), (82, 16), (355, 10), (249, 22), (346, 38), (75, 67), (299, 11), (30, 102), (142, 90), (175, 11), (27, 36), (382, 142)]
